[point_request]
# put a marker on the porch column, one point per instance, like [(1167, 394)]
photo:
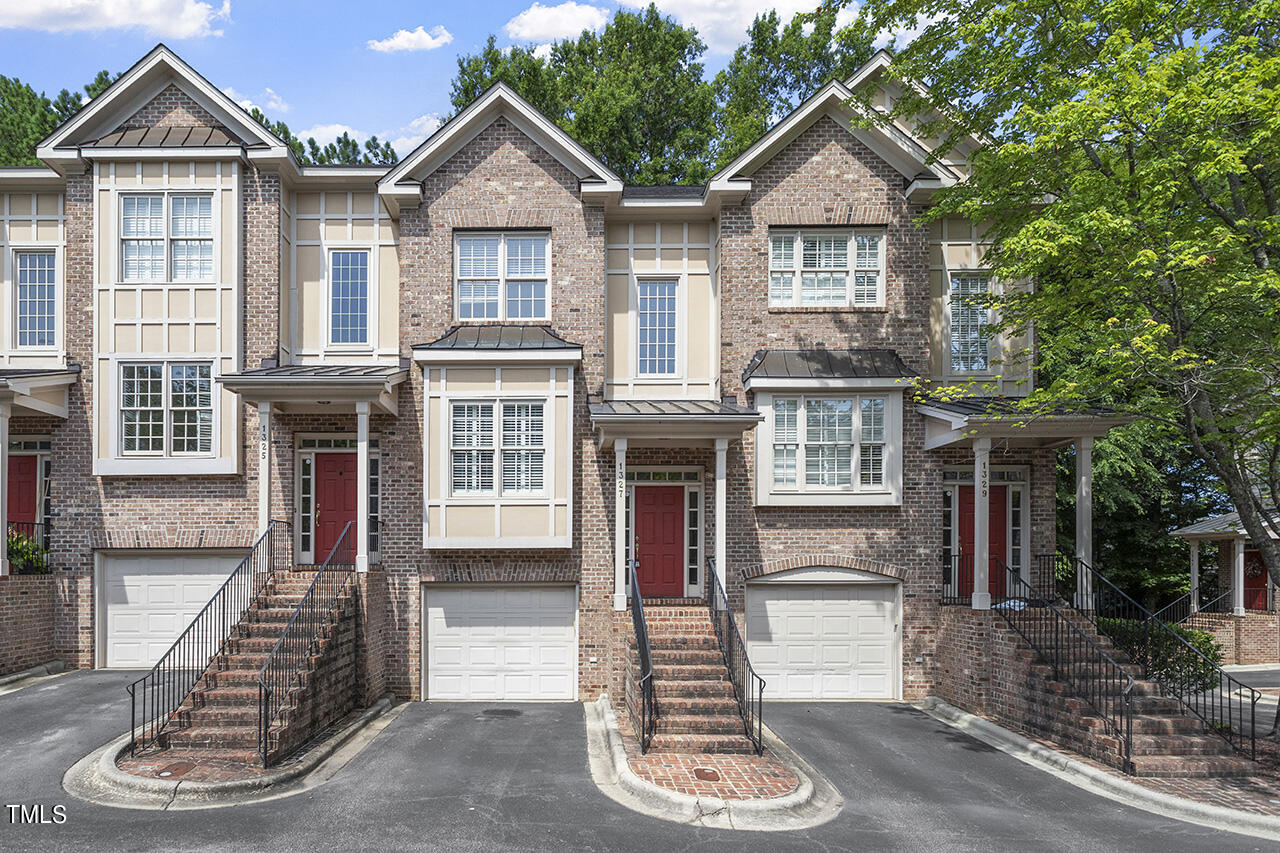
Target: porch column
[(981, 524), (264, 466), (362, 487), (620, 525), (1237, 579), (722, 482), (1195, 575), (1084, 521), (5, 411)]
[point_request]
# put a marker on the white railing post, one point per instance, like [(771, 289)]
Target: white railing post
[(1195, 575), (1237, 579), (264, 466), (620, 525), (1084, 522), (722, 483), (981, 524)]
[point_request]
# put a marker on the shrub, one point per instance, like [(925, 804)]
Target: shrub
[(26, 557), (1164, 658)]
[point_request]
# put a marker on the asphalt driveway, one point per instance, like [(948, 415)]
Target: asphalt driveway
[(514, 777)]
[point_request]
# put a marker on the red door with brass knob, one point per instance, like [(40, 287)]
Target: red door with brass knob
[(335, 499)]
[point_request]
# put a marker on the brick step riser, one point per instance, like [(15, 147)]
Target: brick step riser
[(690, 706), (1102, 740), (721, 744), (673, 657), (1086, 719), (693, 689), (678, 643)]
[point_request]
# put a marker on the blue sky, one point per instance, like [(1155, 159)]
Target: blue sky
[(323, 66)]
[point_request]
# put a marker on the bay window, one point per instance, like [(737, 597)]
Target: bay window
[(482, 456)]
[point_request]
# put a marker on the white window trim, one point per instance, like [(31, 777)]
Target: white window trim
[(167, 193), (890, 494), (371, 299), (308, 556), (497, 447), (502, 237), (555, 469), (120, 464), (680, 376), (850, 270), (995, 342), (59, 289)]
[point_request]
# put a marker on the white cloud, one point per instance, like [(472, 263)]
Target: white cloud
[(549, 23), (178, 19), (543, 51), (723, 24), (269, 101), (326, 133), (905, 35), (417, 39)]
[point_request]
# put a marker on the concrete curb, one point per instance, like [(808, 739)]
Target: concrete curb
[(814, 801), (44, 670), (96, 777), (1099, 781)]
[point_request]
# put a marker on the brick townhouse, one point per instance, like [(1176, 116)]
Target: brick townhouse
[(499, 376)]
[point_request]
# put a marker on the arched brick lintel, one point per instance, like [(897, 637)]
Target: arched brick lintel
[(834, 561)]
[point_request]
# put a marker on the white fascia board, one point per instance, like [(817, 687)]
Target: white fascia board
[(462, 128), (491, 356), (500, 543), (953, 419), (158, 68), (105, 155), (341, 173), (25, 175), (769, 383), (174, 466), (872, 66)]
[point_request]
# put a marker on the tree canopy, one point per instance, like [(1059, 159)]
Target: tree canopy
[(1128, 158), (28, 116)]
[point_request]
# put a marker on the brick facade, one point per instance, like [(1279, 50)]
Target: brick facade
[(27, 607), (502, 179)]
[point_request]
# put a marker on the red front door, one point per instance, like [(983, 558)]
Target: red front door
[(24, 499), (1255, 581), (997, 538), (335, 499), (659, 524)]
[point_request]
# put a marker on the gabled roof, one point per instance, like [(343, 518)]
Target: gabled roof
[(402, 185), (134, 89), (1225, 526), (900, 151)]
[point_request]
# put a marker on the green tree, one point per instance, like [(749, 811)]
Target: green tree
[(1128, 157), (777, 68), (28, 116), (343, 151), (634, 94)]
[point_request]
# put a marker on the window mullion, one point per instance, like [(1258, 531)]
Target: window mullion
[(502, 281)]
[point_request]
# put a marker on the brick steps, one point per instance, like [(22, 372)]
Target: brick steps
[(1166, 741), (697, 711)]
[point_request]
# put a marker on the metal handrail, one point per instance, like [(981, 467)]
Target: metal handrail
[(1166, 657), (646, 725), (34, 558), (1217, 605), (155, 698), (287, 659), (957, 578), (748, 687), (1094, 675)]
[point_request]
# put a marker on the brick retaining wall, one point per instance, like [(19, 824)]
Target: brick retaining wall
[(26, 621)]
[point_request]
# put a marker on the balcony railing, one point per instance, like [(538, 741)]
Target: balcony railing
[(28, 548)]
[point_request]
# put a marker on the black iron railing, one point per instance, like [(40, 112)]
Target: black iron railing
[(1218, 604), (28, 548), (748, 687), (643, 707), (156, 697), (957, 578), (1165, 654), (291, 654), (1094, 675)]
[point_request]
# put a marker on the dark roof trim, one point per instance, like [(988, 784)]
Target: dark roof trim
[(499, 337), (632, 409), (827, 364)]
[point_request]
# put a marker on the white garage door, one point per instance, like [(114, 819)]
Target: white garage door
[(495, 643), (149, 600), (824, 642)]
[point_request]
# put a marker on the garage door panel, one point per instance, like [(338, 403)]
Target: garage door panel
[(501, 643), (824, 641), (149, 600)]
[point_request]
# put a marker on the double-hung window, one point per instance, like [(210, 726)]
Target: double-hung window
[(485, 455), (829, 444), (37, 299), (970, 315), (827, 269), (166, 237), (166, 409), (502, 276), (349, 297)]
